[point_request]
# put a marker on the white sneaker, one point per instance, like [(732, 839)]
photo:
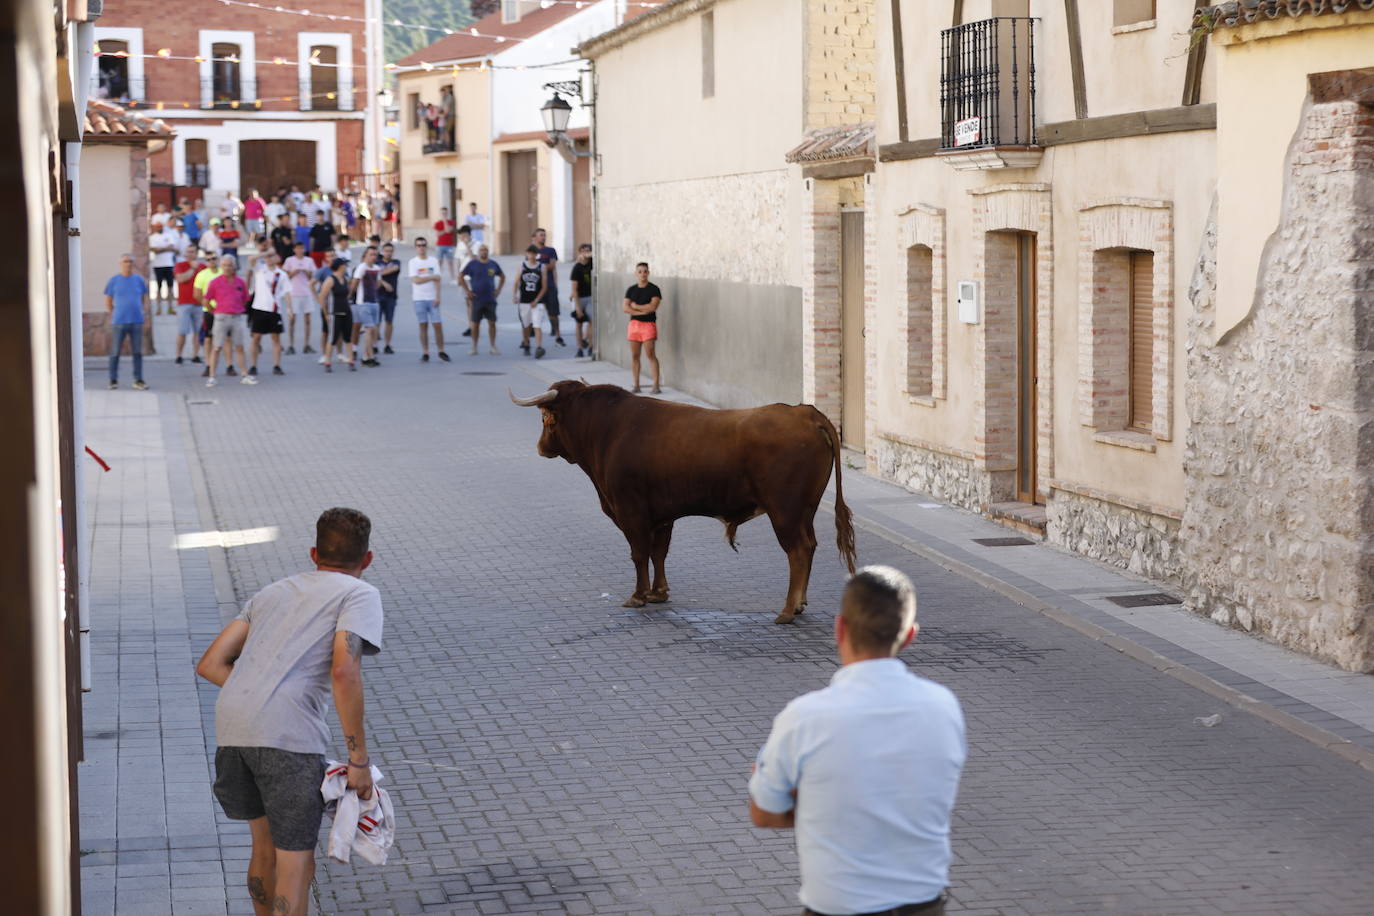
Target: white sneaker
[(211, 382), (494, 352), (248, 380), (321, 360)]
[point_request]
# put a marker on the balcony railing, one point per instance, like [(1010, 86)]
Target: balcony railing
[(117, 89), (987, 86), (315, 96), (198, 174), (220, 94)]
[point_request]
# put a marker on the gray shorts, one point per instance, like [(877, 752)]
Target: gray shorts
[(283, 786), (485, 310)]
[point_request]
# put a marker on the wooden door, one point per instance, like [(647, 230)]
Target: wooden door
[(522, 200), (1027, 382), (852, 363), (267, 164)]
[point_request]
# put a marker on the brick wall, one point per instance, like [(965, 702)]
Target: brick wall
[(177, 82), (821, 298), (840, 62)]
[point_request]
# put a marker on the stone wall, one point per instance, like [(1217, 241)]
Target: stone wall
[(728, 227), (1133, 538), (941, 473), (1278, 492)]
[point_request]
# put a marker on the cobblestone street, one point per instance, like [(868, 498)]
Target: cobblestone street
[(552, 752)]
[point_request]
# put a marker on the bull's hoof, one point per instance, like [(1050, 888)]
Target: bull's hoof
[(784, 618), (657, 596), (632, 601)]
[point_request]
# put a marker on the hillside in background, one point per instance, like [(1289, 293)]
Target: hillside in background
[(445, 14)]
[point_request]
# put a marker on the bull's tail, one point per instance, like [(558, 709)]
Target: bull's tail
[(844, 522)]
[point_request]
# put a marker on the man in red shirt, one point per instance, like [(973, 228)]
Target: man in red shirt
[(188, 311), (447, 238), (228, 295), (253, 209)]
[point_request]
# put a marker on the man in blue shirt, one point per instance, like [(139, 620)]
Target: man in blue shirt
[(482, 280), (866, 770), (126, 294)]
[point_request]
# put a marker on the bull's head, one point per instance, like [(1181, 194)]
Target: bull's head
[(552, 404)]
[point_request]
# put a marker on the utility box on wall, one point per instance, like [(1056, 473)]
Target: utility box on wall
[(968, 301)]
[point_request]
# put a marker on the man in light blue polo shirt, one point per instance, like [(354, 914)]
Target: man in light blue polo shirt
[(866, 770), (126, 294)]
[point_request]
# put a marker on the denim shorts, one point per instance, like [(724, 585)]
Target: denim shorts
[(427, 311), (283, 786), (367, 314), (446, 252), (387, 307), (188, 319)]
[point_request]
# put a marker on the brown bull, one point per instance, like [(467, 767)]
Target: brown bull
[(653, 462)]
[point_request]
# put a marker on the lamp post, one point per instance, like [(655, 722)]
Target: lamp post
[(556, 112)]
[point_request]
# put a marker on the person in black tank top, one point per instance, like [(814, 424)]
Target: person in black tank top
[(334, 290), (530, 288)]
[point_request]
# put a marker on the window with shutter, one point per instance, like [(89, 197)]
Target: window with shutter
[(1142, 340)]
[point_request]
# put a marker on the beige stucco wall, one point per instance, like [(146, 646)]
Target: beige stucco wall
[(105, 189), (1254, 139), (663, 146), (471, 168)]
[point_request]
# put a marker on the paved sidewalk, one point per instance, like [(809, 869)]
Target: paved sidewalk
[(552, 752)]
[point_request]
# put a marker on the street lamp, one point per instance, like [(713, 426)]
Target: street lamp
[(556, 113)]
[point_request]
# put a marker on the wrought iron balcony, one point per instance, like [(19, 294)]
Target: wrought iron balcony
[(117, 88), (987, 94), (219, 93)]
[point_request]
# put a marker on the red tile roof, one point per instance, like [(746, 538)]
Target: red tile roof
[(846, 141), (1241, 12), (464, 46), (107, 121)]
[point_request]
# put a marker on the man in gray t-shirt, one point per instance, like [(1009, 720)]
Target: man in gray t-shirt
[(295, 642)]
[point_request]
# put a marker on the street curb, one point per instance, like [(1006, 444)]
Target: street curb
[(1329, 741), (219, 561)]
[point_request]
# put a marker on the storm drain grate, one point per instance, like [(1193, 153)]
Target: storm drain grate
[(1003, 542), (200, 403), (480, 372), (1151, 599)]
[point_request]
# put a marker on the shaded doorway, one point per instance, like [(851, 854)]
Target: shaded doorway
[(852, 332)]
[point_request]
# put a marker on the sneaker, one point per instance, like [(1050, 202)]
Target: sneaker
[(656, 390), (230, 371), (578, 354), (308, 349), (248, 380), (539, 353), (178, 360), (468, 332), (526, 348), (424, 358), (253, 370), (328, 368), (211, 382), (472, 351), (388, 351), (112, 386), (140, 385), (559, 341), (322, 362), (352, 366), (290, 351), (205, 373), (494, 352), (195, 359), (276, 370), (444, 356)]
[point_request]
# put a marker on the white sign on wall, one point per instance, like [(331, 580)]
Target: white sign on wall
[(967, 131)]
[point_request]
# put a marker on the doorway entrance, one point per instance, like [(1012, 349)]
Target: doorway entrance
[(522, 200), (269, 164), (852, 331), (1027, 382)]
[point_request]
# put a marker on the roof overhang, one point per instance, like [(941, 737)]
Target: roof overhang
[(643, 24)]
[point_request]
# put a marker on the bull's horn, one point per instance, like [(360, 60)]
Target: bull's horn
[(535, 401)]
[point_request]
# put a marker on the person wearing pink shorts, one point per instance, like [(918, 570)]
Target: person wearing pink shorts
[(641, 304)]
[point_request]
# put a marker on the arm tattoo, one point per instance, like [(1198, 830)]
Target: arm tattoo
[(352, 741), (257, 890), (355, 645), (281, 905)]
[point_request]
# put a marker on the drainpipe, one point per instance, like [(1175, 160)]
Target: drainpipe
[(79, 418), (600, 326)]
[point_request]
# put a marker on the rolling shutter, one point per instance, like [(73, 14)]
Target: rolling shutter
[(1142, 340)]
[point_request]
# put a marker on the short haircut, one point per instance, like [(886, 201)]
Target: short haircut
[(878, 607), (337, 263), (298, 244), (464, 230), (641, 264), (539, 230), (421, 240), (533, 249), (341, 537), (585, 246)]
